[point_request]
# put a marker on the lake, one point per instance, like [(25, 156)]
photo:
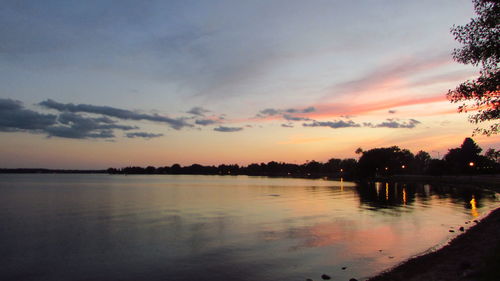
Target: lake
[(179, 227)]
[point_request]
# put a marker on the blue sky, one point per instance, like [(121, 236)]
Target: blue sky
[(219, 68)]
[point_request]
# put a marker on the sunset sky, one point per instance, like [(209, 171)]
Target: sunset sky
[(97, 84)]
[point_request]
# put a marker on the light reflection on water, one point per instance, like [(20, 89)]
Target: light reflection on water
[(101, 227)]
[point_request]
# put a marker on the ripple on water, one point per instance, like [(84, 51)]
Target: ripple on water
[(220, 228)]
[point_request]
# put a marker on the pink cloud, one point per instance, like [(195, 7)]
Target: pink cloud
[(337, 109), (393, 73)]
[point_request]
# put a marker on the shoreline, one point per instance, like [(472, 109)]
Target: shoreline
[(472, 255), (491, 181)]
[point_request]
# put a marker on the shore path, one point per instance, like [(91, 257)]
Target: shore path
[(473, 255)]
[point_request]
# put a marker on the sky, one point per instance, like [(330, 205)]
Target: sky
[(97, 84)]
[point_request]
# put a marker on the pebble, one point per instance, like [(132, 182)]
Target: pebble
[(325, 277), (451, 230), (462, 228), (309, 279), (344, 268), (353, 279)]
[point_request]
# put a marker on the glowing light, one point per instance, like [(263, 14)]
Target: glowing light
[(473, 206), (403, 166), (404, 196), (387, 191), (471, 164)]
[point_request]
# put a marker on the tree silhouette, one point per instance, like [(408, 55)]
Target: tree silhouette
[(492, 154), (466, 158), (384, 161), (422, 162), (481, 38)]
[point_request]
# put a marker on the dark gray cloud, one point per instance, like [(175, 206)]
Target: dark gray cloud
[(228, 129), (287, 114), (295, 118), (13, 117), (332, 124), (391, 111), (287, 125), (8, 104), (273, 111), (90, 123), (206, 122), (76, 126), (389, 123), (175, 123), (269, 112), (72, 132), (394, 123), (304, 110), (199, 111), (143, 135)]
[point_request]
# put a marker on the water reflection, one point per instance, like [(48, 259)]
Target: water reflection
[(473, 207), (219, 228), (381, 195)]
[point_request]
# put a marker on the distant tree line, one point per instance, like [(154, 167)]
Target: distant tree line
[(377, 162), (49, 171)]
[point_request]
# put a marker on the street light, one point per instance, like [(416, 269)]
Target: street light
[(471, 164)]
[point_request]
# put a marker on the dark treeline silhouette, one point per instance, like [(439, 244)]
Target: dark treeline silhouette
[(373, 163), (49, 171), (333, 168)]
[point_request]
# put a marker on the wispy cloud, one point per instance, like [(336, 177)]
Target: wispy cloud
[(294, 118), (339, 108), (332, 124), (394, 123), (388, 76), (388, 123), (228, 129), (143, 135), (289, 114), (289, 111), (206, 122), (199, 111), (175, 123)]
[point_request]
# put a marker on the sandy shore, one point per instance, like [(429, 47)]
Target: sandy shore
[(474, 255)]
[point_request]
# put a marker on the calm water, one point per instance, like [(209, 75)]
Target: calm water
[(102, 227)]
